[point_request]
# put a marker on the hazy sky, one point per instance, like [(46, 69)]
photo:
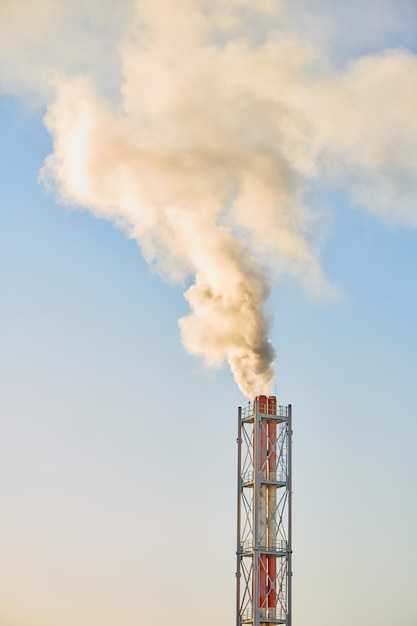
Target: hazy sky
[(262, 158)]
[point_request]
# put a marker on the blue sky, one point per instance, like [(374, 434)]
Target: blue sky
[(118, 451)]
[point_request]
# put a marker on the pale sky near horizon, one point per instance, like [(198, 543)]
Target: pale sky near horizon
[(118, 448)]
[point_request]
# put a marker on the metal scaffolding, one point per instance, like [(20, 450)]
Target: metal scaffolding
[(264, 546)]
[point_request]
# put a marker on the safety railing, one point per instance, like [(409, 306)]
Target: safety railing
[(248, 411), (279, 546), (270, 475)]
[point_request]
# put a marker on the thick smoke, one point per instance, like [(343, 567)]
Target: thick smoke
[(170, 202), (205, 158)]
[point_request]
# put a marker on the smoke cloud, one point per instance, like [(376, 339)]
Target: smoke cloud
[(224, 120)]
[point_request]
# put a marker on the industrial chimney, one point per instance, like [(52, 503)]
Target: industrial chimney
[(264, 514)]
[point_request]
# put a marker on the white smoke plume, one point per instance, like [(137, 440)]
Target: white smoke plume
[(224, 120)]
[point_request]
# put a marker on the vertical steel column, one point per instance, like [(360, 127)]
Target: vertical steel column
[(289, 489), (239, 513), (256, 491)]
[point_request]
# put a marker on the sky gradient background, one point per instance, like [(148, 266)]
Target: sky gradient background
[(118, 449)]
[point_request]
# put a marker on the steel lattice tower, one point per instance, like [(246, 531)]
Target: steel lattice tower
[(264, 514)]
